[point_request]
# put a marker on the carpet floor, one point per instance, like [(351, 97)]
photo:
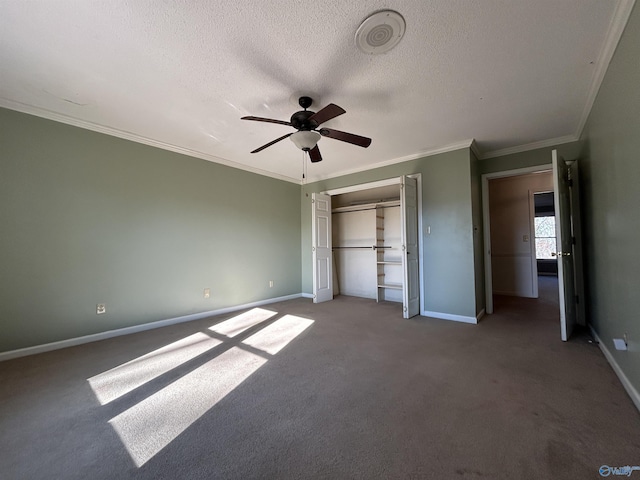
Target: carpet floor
[(344, 389)]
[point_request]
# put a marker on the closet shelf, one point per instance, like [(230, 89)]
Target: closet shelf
[(373, 247), (389, 263), (366, 206), (393, 286)]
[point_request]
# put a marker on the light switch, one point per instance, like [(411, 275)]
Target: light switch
[(525, 238)]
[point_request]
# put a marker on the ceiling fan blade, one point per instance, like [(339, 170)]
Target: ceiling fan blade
[(314, 154), (345, 137), (268, 120), (327, 113), (259, 149)]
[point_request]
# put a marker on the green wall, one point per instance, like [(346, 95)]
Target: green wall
[(448, 253), (530, 158), (88, 218), (610, 169)]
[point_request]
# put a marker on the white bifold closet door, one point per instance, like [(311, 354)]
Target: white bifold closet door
[(409, 233), (321, 248)]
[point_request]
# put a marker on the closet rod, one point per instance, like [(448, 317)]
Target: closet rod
[(373, 247), (362, 209)]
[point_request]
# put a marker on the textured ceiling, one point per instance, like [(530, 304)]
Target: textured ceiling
[(510, 74)]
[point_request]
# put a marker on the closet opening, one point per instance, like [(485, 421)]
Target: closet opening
[(366, 244), (373, 243)]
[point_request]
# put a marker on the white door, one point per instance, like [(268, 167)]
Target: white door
[(564, 242), (321, 247), (409, 232), (576, 230)]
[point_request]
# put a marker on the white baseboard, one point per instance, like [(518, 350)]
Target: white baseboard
[(628, 386), (47, 347), (307, 295), (449, 316), (480, 315)]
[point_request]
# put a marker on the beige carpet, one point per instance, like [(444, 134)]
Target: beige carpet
[(345, 389)]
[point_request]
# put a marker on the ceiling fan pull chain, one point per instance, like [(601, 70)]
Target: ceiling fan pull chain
[(304, 169)]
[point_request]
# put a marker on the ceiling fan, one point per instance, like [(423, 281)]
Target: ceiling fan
[(308, 134)]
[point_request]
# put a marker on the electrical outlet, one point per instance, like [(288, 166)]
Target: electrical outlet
[(207, 292), (101, 308), (270, 283), (620, 344)]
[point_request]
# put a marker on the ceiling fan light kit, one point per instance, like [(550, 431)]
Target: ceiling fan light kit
[(380, 32), (305, 140)]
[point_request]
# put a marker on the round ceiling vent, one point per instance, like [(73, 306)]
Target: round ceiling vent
[(380, 32)]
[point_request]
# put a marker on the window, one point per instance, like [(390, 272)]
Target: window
[(545, 231)]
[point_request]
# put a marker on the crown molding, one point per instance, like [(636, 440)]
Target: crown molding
[(474, 148), (551, 142), (616, 28), (96, 127), (414, 156)]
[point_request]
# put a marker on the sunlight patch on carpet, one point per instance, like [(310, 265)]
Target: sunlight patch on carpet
[(153, 423), (276, 336), (118, 381), (242, 322), (149, 426)]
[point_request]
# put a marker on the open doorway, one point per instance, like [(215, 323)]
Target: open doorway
[(512, 231), (510, 267), (544, 230), (545, 246)]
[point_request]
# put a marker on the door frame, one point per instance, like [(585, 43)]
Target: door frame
[(384, 183), (486, 223)]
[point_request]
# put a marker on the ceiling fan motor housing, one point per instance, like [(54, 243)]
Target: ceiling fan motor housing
[(300, 120)]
